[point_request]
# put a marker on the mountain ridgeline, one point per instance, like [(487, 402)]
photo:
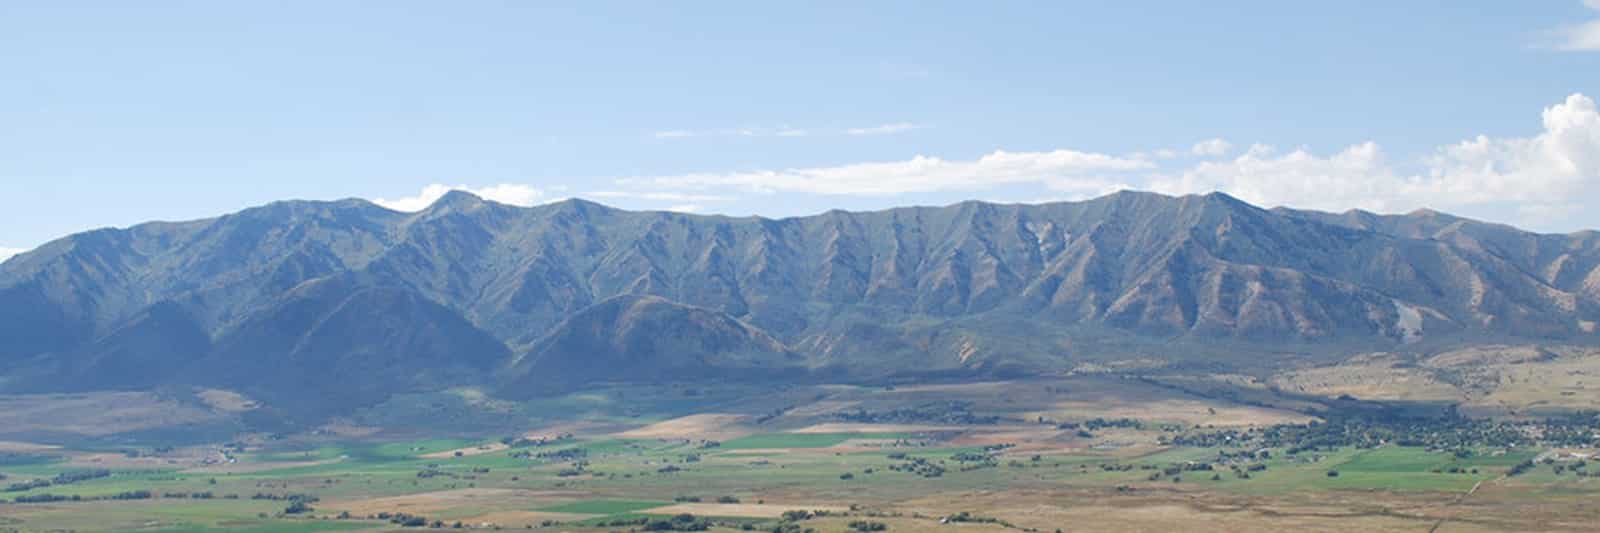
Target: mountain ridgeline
[(345, 303)]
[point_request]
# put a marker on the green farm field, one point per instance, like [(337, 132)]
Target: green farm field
[(857, 457)]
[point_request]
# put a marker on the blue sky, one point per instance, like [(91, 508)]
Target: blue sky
[(112, 113)]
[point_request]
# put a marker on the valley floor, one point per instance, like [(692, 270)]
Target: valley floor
[(1078, 453)]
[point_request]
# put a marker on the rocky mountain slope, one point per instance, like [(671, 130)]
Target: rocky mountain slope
[(631, 338), (352, 301)]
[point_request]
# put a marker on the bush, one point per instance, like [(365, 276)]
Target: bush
[(133, 495), (682, 522)]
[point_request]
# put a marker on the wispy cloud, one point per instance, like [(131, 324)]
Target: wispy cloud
[(1538, 178), (1580, 37), (1546, 178), (661, 196), (1211, 147), (787, 131), (1163, 153), (885, 129), (1207, 148), (7, 252), (918, 174), (505, 193)]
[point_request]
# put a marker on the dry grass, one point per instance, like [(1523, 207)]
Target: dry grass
[(468, 451), (94, 413), (1488, 355), (984, 387), (180, 458), (1025, 437), (345, 428), (1485, 381), (589, 428), (713, 426), (1510, 506), (246, 468), (226, 401), (1187, 411), (7, 446), (117, 460), (433, 502), (1524, 380), (1374, 377), (1165, 511), (824, 407), (1072, 398), (741, 510), (523, 518), (875, 428)]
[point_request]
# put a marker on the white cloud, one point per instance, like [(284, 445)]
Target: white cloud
[(918, 174), (1556, 171), (1163, 153), (1581, 37), (686, 208), (885, 129), (1206, 148), (6, 253), (1557, 166), (505, 193), (1211, 147), (1537, 180), (1358, 176), (661, 196)]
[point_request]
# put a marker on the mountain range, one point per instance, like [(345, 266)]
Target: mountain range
[(317, 305)]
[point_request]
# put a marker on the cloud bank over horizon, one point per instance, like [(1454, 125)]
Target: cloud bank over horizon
[(1537, 181)]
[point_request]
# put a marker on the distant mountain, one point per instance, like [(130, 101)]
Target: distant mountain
[(346, 302)]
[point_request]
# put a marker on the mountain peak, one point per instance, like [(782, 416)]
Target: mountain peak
[(579, 205), (863, 292), (1221, 200), (1219, 196), (1426, 212), (456, 199)]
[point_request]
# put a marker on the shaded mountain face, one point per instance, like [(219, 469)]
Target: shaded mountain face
[(643, 338), (352, 301), (347, 341)]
